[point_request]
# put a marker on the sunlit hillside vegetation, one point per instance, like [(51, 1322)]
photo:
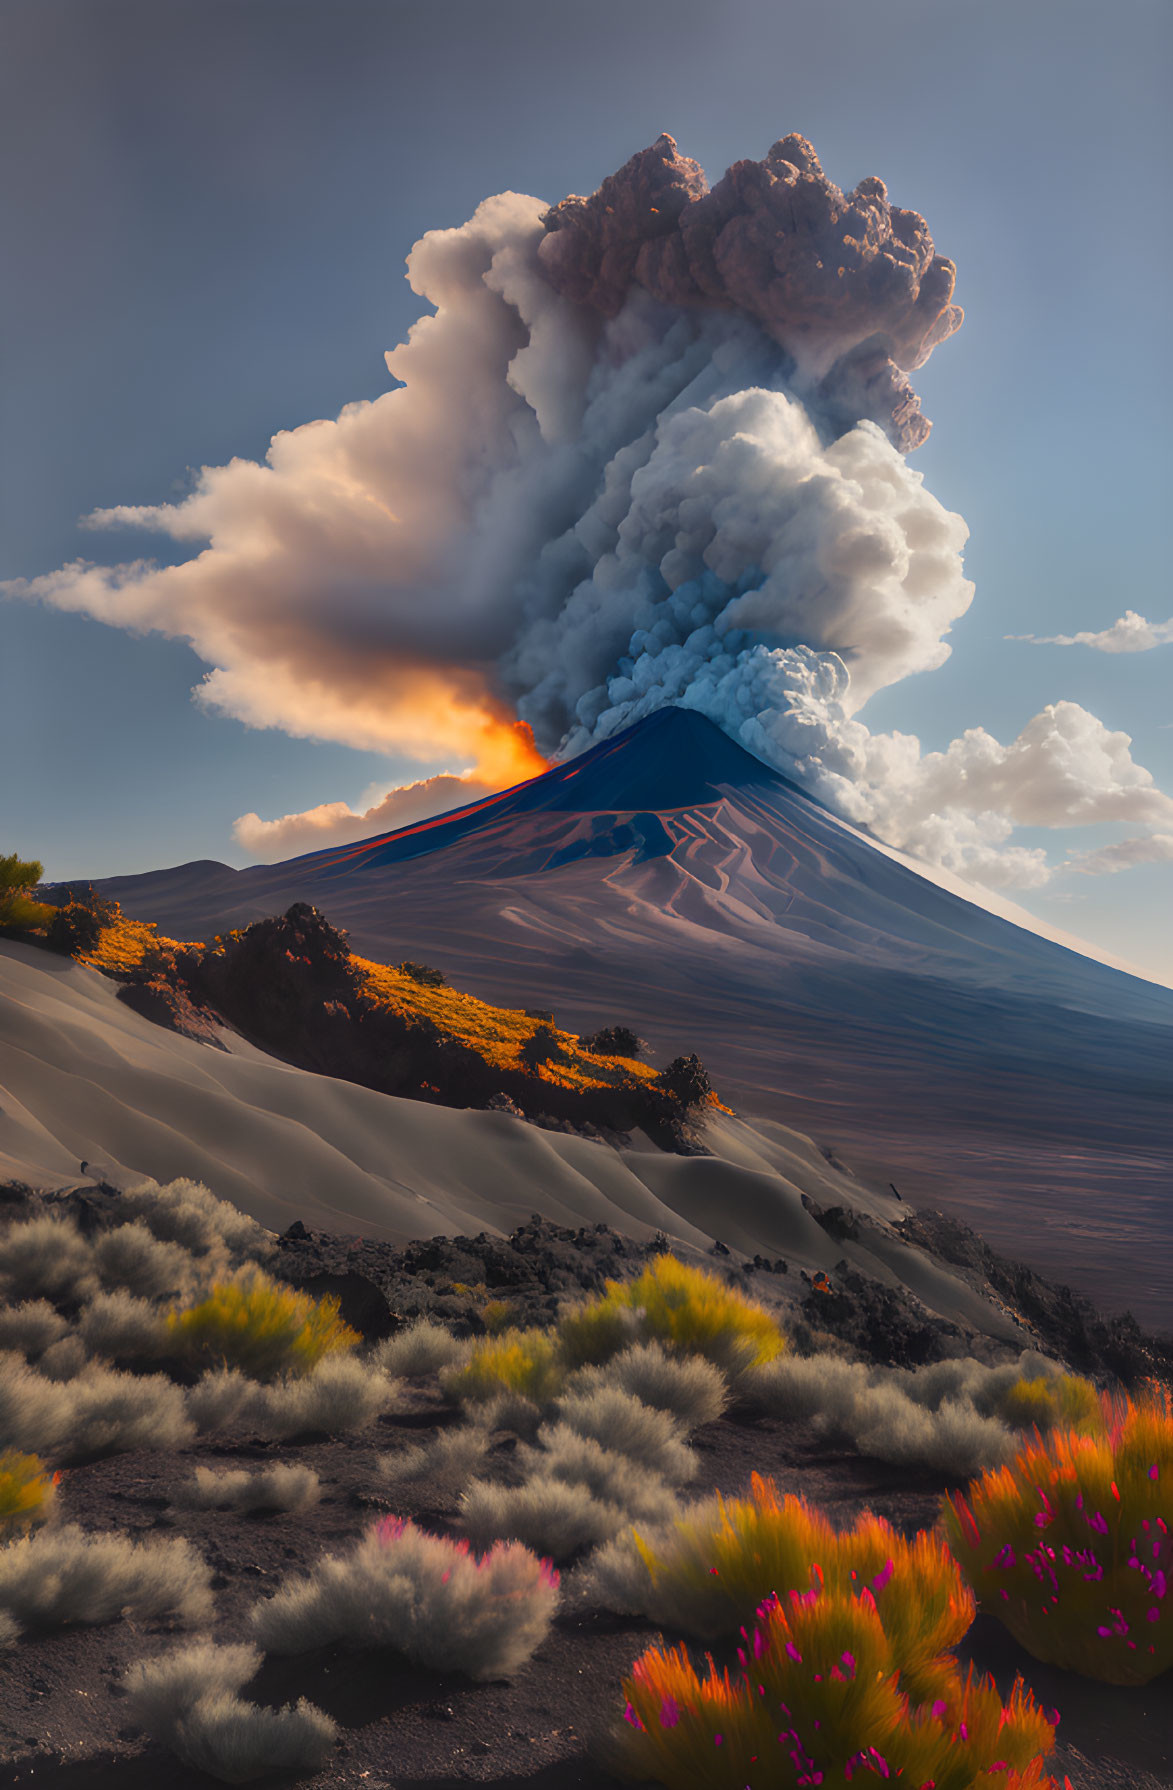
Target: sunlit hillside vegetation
[(498, 1034), (292, 984), (125, 947)]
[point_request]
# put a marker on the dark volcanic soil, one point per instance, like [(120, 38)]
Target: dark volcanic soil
[(62, 1716), (61, 1720)]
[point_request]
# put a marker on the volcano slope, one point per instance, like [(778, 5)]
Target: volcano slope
[(668, 880)]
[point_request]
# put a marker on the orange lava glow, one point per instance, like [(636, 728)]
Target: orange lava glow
[(507, 753), (427, 713)]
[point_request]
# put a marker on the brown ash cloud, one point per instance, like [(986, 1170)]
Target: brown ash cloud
[(848, 284)]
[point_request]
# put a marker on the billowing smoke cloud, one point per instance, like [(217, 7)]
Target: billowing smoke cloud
[(337, 823), (646, 451), (1130, 633), (849, 285)]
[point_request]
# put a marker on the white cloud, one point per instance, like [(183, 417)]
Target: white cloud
[(337, 823), (1131, 633), (1142, 848)]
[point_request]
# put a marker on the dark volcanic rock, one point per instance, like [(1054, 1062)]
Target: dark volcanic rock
[(169, 1004), (361, 1303), (1063, 1320), (449, 1277)]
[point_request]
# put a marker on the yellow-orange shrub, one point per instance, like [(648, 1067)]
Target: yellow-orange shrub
[(1063, 1400), (524, 1361), (701, 1573), (27, 1492), (260, 1327), (683, 1307)]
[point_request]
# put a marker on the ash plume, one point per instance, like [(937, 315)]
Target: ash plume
[(645, 450), (848, 284)]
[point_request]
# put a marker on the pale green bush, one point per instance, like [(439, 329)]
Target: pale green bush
[(187, 1700), (422, 1348), (688, 1387), (185, 1212), (430, 1599), (58, 1577), (100, 1411), (30, 1328), (285, 1487), (624, 1425), (46, 1258), (122, 1327)]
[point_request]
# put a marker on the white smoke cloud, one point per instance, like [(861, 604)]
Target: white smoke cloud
[(1130, 633), (1109, 860), (337, 823), (566, 520)]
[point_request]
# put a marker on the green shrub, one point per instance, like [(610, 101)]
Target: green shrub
[(18, 909), (1064, 1400), (594, 1332), (73, 929), (261, 1328)]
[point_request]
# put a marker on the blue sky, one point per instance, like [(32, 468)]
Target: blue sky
[(206, 219)]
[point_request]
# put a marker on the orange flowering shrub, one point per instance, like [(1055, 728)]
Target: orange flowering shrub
[(821, 1697), (701, 1573), (1070, 1544)]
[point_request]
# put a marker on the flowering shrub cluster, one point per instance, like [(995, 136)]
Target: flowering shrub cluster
[(1070, 1544), (821, 1696), (265, 1329), (683, 1312), (701, 1573)]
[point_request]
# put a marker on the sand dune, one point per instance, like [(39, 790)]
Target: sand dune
[(82, 1078)]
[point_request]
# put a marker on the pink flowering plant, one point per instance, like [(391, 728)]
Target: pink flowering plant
[(1070, 1544), (819, 1699)]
